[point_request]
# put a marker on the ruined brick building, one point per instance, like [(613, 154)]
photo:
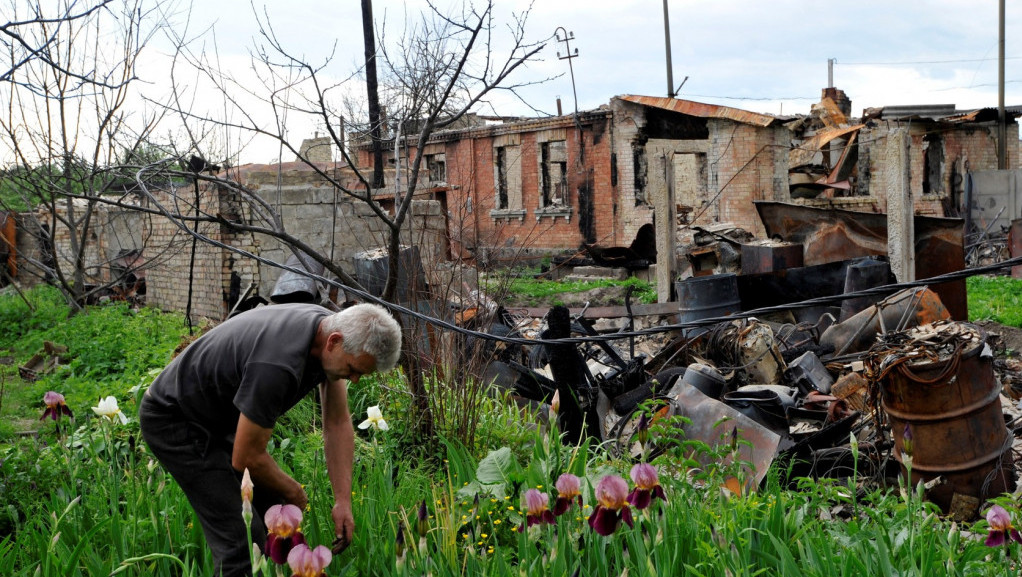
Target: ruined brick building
[(541, 186), (502, 189)]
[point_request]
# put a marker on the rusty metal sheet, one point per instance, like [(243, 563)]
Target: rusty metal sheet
[(846, 163), (714, 423), (833, 116), (703, 110), (832, 235), (804, 154), (8, 244), (760, 258)]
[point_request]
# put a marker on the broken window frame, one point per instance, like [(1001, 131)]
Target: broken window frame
[(553, 175), (507, 181), (436, 166)]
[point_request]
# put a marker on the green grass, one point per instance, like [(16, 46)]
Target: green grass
[(545, 291), (110, 349), (87, 498), (995, 298)]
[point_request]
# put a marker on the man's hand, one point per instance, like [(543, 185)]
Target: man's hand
[(344, 527)]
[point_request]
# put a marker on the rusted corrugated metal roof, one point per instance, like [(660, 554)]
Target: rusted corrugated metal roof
[(804, 154), (702, 110)]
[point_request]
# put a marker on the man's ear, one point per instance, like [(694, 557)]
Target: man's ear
[(334, 339)]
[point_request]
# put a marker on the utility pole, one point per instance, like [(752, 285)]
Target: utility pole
[(671, 90), (1002, 131), (568, 55), (373, 93), (667, 41)]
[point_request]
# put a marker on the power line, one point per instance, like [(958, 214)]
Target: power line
[(913, 62), (814, 98)]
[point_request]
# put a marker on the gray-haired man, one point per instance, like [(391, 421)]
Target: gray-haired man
[(210, 414)]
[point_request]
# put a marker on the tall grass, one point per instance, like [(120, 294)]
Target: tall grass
[(88, 499)]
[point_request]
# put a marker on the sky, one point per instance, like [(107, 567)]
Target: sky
[(766, 56)]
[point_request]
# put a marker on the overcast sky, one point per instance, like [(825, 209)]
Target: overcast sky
[(759, 55)]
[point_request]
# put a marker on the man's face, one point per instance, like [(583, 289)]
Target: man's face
[(338, 364)]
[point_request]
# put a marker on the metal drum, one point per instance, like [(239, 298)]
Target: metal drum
[(293, 287), (952, 407), (704, 297)]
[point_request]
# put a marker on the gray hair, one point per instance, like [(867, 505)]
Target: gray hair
[(368, 328)]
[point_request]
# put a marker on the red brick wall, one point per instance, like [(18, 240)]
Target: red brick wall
[(472, 197)]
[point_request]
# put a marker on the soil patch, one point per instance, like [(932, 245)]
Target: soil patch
[(1005, 340)]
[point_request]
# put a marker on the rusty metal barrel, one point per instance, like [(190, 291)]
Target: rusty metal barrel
[(708, 296), (951, 406)]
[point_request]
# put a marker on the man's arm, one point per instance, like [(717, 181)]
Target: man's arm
[(339, 445), (250, 442)]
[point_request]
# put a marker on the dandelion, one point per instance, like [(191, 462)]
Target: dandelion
[(1001, 529), (568, 490), (282, 523), (55, 406), (306, 562), (109, 410), (647, 486), (375, 419), (611, 494)]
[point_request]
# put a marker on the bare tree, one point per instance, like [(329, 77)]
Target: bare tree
[(442, 67), (437, 72), (68, 135)]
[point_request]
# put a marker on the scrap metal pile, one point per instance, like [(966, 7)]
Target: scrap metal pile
[(795, 393)]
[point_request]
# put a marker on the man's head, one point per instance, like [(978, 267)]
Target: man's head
[(359, 340)]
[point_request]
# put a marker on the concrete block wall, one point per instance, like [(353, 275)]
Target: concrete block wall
[(965, 148), (332, 223)]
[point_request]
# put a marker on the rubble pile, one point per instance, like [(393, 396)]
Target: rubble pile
[(795, 393)]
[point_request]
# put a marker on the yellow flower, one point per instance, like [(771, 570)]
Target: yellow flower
[(497, 522)]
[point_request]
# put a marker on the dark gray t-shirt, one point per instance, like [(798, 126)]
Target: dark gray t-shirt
[(256, 363)]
